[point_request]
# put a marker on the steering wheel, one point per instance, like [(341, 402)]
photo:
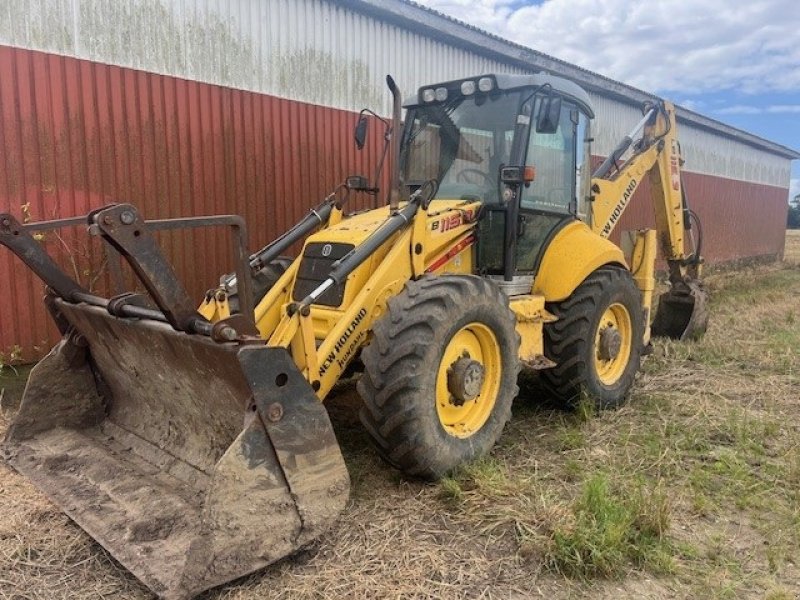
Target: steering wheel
[(461, 175)]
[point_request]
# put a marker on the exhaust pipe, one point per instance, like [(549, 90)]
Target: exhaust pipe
[(395, 193)]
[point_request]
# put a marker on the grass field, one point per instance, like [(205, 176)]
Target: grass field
[(691, 490)]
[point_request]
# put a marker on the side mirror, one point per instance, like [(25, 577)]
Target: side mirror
[(361, 131), (549, 114)]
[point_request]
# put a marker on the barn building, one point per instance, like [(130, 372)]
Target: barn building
[(247, 106)]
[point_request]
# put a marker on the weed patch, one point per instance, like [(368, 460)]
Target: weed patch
[(613, 531)]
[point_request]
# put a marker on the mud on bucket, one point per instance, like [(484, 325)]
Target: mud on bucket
[(192, 462), (682, 312)]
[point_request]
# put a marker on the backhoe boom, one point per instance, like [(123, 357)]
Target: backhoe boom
[(656, 155)]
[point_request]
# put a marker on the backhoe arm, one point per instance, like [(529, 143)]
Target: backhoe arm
[(656, 154)]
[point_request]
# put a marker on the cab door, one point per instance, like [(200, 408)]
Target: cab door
[(551, 200)]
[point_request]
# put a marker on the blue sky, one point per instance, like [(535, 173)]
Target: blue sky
[(737, 61)]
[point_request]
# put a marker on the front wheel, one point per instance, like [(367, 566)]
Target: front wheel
[(440, 374), (596, 342)]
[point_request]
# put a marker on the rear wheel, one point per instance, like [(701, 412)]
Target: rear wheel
[(596, 342), (440, 374)]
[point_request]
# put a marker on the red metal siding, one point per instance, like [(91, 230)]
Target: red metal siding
[(77, 134), (740, 219)]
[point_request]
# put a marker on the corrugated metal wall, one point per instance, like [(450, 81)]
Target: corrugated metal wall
[(705, 152), (314, 51), (739, 218), (77, 135), (310, 50)]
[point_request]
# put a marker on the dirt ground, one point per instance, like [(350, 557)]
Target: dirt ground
[(691, 490)]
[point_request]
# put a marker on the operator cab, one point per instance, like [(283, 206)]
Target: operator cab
[(518, 144)]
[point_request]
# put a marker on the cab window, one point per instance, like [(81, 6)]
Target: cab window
[(552, 155)]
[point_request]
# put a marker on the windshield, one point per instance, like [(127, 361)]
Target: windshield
[(461, 143)]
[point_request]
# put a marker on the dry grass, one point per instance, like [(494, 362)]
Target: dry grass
[(691, 490), (792, 253)]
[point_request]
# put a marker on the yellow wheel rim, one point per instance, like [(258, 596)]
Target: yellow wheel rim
[(613, 342), (472, 362)]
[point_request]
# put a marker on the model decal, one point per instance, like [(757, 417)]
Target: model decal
[(626, 196), (333, 355)]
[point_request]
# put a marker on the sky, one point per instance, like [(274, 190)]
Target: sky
[(737, 61)]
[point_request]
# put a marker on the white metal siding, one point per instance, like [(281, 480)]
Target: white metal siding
[(312, 51), (306, 50), (704, 152)]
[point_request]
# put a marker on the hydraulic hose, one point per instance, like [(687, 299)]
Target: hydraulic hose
[(605, 167)]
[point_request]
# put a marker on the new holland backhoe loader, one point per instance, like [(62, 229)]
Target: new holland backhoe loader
[(193, 443)]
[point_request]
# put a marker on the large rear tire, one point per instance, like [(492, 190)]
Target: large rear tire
[(440, 374), (596, 342)]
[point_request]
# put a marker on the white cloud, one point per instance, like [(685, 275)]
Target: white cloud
[(744, 109), (695, 105), (784, 108), (740, 109), (679, 46)]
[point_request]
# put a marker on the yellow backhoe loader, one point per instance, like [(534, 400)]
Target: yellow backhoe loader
[(193, 443)]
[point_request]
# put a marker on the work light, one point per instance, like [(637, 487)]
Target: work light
[(468, 87)]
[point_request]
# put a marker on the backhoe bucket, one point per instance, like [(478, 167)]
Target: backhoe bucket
[(192, 462), (682, 312)]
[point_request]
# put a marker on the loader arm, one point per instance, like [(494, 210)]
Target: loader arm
[(409, 243), (656, 155)]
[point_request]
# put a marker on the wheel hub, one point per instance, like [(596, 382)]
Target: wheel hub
[(465, 380), (610, 343)]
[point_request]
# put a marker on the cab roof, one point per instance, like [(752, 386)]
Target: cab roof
[(508, 82)]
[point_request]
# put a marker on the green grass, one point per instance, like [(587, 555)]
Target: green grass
[(612, 531), (696, 482)]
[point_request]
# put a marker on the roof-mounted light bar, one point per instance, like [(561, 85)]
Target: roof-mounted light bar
[(465, 87)]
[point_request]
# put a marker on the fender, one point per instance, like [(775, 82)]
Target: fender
[(572, 255)]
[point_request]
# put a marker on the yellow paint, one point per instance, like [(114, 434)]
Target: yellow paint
[(531, 317), (643, 266), (419, 241), (340, 344), (272, 307), (463, 418), (573, 254), (336, 216), (658, 159), (215, 306), (613, 196), (326, 339), (309, 345), (616, 320), (460, 264), (340, 332)]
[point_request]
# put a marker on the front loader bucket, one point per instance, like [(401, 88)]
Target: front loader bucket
[(192, 462), (682, 312)]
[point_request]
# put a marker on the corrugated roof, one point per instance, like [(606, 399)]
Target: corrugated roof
[(439, 26)]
